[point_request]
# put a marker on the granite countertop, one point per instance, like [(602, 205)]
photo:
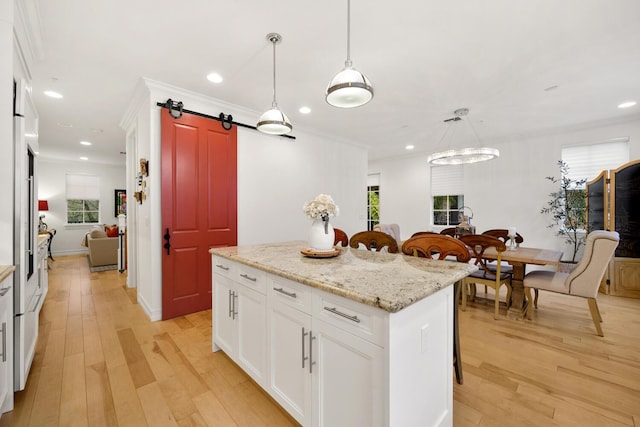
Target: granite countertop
[(388, 281), (5, 271)]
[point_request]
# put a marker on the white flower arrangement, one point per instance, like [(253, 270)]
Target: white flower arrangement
[(322, 207)]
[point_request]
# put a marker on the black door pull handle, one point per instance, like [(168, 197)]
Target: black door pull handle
[(167, 245)]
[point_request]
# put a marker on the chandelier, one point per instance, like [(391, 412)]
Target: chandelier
[(459, 156)]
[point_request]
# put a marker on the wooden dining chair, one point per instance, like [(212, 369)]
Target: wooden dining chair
[(443, 247), (340, 237), (449, 231), (478, 243), (374, 240), (585, 278), (503, 235), (419, 233)]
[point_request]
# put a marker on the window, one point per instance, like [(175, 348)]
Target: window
[(373, 200), (447, 193), (587, 161), (83, 199), (445, 209)]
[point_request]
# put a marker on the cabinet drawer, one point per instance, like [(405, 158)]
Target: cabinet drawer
[(289, 292), (358, 319), (250, 277), (222, 266)]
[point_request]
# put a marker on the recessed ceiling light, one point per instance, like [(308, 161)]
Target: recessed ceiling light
[(30, 135), (305, 110), (627, 104), (84, 158), (85, 143), (95, 130), (409, 147), (214, 78), (52, 94)]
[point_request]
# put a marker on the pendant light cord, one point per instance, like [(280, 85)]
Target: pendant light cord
[(274, 104), (348, 61)]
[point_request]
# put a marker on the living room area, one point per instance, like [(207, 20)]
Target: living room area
[(99, 241)]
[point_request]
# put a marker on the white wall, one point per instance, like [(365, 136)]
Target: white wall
[(508, 191), (51, 187), (276, 176)]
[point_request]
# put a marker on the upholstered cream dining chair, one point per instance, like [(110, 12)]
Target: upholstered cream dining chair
[(584, 280)]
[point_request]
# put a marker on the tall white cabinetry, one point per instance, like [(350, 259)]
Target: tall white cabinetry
[(6, 344), (331, 361)]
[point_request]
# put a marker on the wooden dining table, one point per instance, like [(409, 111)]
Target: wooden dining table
[(518, 258)]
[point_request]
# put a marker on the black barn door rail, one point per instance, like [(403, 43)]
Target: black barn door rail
[(176, 109)]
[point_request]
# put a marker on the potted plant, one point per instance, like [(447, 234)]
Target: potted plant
[(567, 207)]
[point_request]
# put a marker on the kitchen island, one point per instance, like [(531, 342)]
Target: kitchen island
[(364, 338)]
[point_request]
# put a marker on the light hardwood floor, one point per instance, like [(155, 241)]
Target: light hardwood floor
[(100, 362)]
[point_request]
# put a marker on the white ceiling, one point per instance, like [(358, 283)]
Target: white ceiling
[(425, 58)]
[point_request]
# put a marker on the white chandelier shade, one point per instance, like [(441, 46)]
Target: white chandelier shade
[(461, 156), (466, 155)]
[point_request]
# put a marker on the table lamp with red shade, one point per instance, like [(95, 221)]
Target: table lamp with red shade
[(43, 205)]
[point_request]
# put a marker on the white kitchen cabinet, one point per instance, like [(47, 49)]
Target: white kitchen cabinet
[(348, 370), (290, 375), (240, 326), (348, 379), (6, 344), (334, 361)]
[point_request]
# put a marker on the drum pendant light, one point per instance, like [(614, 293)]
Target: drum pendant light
[(274, 121), (349, 88)]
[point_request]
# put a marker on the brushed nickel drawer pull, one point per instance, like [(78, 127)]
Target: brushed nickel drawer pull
[(230, 304), (311, 362), (222, 267), (235, 305), (304, 334), (246, 276), (339, 313), (289, 294), (4, 341)]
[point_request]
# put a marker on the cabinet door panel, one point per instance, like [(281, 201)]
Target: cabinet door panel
[(348, 375), (223, 322), (289, 377), (252, 332)]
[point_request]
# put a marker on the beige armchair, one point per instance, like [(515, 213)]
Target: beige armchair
[(102, 250), (584, 280)]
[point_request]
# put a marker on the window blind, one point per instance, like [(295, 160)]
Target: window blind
[(447, 180), (83, 187), (587, 161), (373, 180)]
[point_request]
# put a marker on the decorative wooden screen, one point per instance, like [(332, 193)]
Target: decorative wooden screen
[(625, 208), (598, 203)]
